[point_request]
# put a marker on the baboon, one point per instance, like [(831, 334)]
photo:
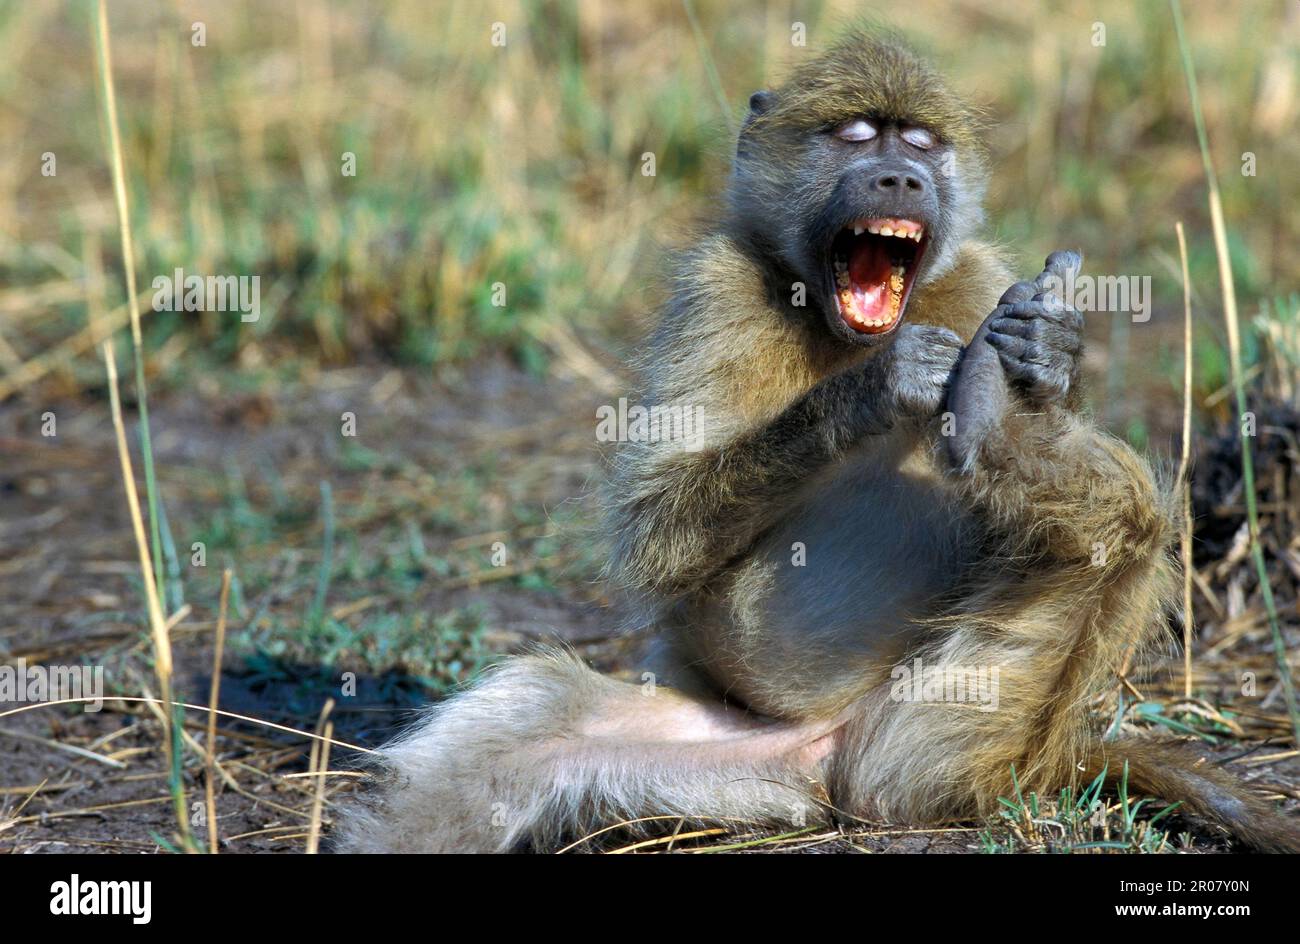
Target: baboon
[(893, 474)]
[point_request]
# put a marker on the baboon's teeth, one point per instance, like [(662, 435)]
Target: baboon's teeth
[(875, 304), (890, 226)]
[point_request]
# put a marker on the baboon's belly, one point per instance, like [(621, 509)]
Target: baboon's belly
[(833, 594)]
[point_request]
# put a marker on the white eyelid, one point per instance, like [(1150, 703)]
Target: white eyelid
[(857, 130), (919, 137)]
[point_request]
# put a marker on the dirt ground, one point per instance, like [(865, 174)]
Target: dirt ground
[(502, 464), (437, 474)]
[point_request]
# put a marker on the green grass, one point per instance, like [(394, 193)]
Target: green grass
[(421, 655), (1080, 821)]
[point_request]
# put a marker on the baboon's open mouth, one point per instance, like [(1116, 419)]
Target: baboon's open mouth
[(874, 262)]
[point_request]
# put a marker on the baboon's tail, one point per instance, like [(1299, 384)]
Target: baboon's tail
[(1178, 773)]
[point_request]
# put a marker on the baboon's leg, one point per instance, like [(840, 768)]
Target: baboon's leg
[(1045, 644), (544, 751)]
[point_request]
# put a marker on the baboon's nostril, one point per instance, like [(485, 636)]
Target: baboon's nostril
[(891, 181)]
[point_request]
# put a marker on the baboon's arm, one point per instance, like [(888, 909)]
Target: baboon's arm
[(682, 518)]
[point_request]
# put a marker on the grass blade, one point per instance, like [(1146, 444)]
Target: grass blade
[(153, 575), (1184, 464), (1234, 353)]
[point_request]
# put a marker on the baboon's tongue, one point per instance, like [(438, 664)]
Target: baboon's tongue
[(869, 271)]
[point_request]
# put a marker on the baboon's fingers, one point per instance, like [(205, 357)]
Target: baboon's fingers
[(1059, 270), (1052, 304), (1047, 308), (1046, 373), (1029, 353), (1048, 333), (923, 358), (1018, 348), (1042, 385)]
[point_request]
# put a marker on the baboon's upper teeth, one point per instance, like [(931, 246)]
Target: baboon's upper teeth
[(890, 226)]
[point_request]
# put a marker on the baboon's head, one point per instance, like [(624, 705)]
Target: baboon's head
[(860, 176)]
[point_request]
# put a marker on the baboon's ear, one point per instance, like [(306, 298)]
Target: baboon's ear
[(761, 101)]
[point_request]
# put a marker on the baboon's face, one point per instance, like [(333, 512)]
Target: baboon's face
[(861, 208), (869, 240)]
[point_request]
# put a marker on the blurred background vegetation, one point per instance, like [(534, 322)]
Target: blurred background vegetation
[(521, 164)]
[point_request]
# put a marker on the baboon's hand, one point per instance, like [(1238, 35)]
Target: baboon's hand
[(919, 368), (1037, 349), (1039, 339)]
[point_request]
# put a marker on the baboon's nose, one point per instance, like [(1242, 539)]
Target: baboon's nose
[(895, 183)]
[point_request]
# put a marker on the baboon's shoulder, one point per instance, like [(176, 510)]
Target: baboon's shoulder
[(724, 340)]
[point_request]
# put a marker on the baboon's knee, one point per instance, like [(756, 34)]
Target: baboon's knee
[(1125, 515)]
